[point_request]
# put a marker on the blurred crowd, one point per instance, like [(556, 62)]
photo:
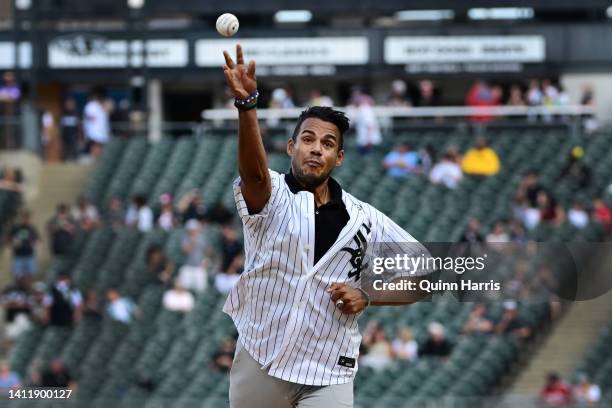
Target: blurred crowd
[(557, 393)]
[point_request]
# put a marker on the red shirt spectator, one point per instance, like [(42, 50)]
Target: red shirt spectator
[(556, 393), (482, 95)]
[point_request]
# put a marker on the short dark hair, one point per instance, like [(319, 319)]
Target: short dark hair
[(326, 114)]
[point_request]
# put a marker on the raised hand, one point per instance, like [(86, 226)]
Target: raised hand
[(239, 77)]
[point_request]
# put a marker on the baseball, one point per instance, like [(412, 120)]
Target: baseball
[(227, 24)]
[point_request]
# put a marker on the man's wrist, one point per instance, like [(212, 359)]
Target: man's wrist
[(247, 103), (366, 297)]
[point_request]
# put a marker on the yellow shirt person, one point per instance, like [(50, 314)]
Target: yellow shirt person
[(480, 160)]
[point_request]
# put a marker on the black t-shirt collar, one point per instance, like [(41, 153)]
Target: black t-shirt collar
[(334, 188)]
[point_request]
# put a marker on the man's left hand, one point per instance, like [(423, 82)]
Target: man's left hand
[(353, 298)]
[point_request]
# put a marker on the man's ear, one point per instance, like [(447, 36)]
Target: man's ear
[(340, 158), (290, 147)]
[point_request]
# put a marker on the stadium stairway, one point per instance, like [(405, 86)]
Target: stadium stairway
[(566, 345), (55, 183)]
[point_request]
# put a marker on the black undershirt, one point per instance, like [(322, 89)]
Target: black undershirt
[(330, 218)]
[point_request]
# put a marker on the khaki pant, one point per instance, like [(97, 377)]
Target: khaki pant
[(252, 387)]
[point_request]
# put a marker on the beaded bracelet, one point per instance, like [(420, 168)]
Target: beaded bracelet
[(247, 103)]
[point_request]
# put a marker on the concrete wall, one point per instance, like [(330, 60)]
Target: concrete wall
[(602, 87)]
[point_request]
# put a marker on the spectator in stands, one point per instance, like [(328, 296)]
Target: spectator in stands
[(478, 322), (166, 220), (516, 287), (379, 355), (120, 308), (498, 234), (63, 302), (585, 394), (9, 91), (482, 95), (226, 279), (139, 214), (427, 94), (405, 347), (529, 187), (85, 214), (472, 233), (231, 246), (436, 345), (555, 393), (534, 93), (447, 171), (218, 214), (280, 99), (224, 357), (11, 180), (61, 229), (115, 215), (193, 274), (516, 97), (190, 206), (602, 214), (92, 308), (56, 375), (160, 269), (578, 216), (25, 240), (16, 301), (511, 323), (96, 124), (317, 98), (401, 161), (398, 95), (576, 172), (480, 160), (178, 299), (549, 210), (70, 125), (9, 380), (517, 233), (367, 126)]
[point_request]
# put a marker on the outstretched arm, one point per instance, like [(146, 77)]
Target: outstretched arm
[(255, 182)]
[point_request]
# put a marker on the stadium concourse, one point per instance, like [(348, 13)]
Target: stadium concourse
[(160, 355)]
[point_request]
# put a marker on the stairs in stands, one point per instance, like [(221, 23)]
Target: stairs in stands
[(56, 183), (565, 346)]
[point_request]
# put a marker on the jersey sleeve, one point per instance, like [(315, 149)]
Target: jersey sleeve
[(391, 241), (241, 206)]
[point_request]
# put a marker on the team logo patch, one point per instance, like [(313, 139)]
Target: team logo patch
[(357, 254)]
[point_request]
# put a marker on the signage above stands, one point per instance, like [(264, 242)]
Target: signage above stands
[(288, 51), (93, 51), (464, 49), (7, 55)]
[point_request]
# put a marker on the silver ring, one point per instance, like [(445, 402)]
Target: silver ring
[(339, 303)]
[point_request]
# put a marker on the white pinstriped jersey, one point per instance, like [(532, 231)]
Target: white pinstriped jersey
[(285, 318)]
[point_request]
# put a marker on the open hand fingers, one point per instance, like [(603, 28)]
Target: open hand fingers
[(251, 70), (239, 55), (228, 60)]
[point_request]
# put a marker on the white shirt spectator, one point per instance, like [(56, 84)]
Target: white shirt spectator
[(224, 282), (96, 124), (121, 309), (367, 126), (578, 217), (141, 217), (405, 350), (446, 172), (178, 300)]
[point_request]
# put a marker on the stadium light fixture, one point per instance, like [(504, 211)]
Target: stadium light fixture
[(424, 15), (293, 16), (23, 4), (501, 13), (609, 12), (135, 4)]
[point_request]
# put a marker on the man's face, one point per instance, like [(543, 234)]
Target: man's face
[(315, 152)]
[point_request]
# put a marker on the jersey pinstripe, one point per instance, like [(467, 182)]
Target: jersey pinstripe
[(284, 316)]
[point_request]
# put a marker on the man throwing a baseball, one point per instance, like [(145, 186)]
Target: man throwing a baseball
[(296, 304)]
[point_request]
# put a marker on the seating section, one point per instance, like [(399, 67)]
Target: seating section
[(164, 357), (597, 365)]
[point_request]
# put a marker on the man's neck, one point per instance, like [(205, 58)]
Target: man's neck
[(322, 194)]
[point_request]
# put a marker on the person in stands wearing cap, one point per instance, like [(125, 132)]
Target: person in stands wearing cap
[(511, 323)]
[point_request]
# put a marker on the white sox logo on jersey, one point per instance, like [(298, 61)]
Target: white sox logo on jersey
[(358, 253)]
